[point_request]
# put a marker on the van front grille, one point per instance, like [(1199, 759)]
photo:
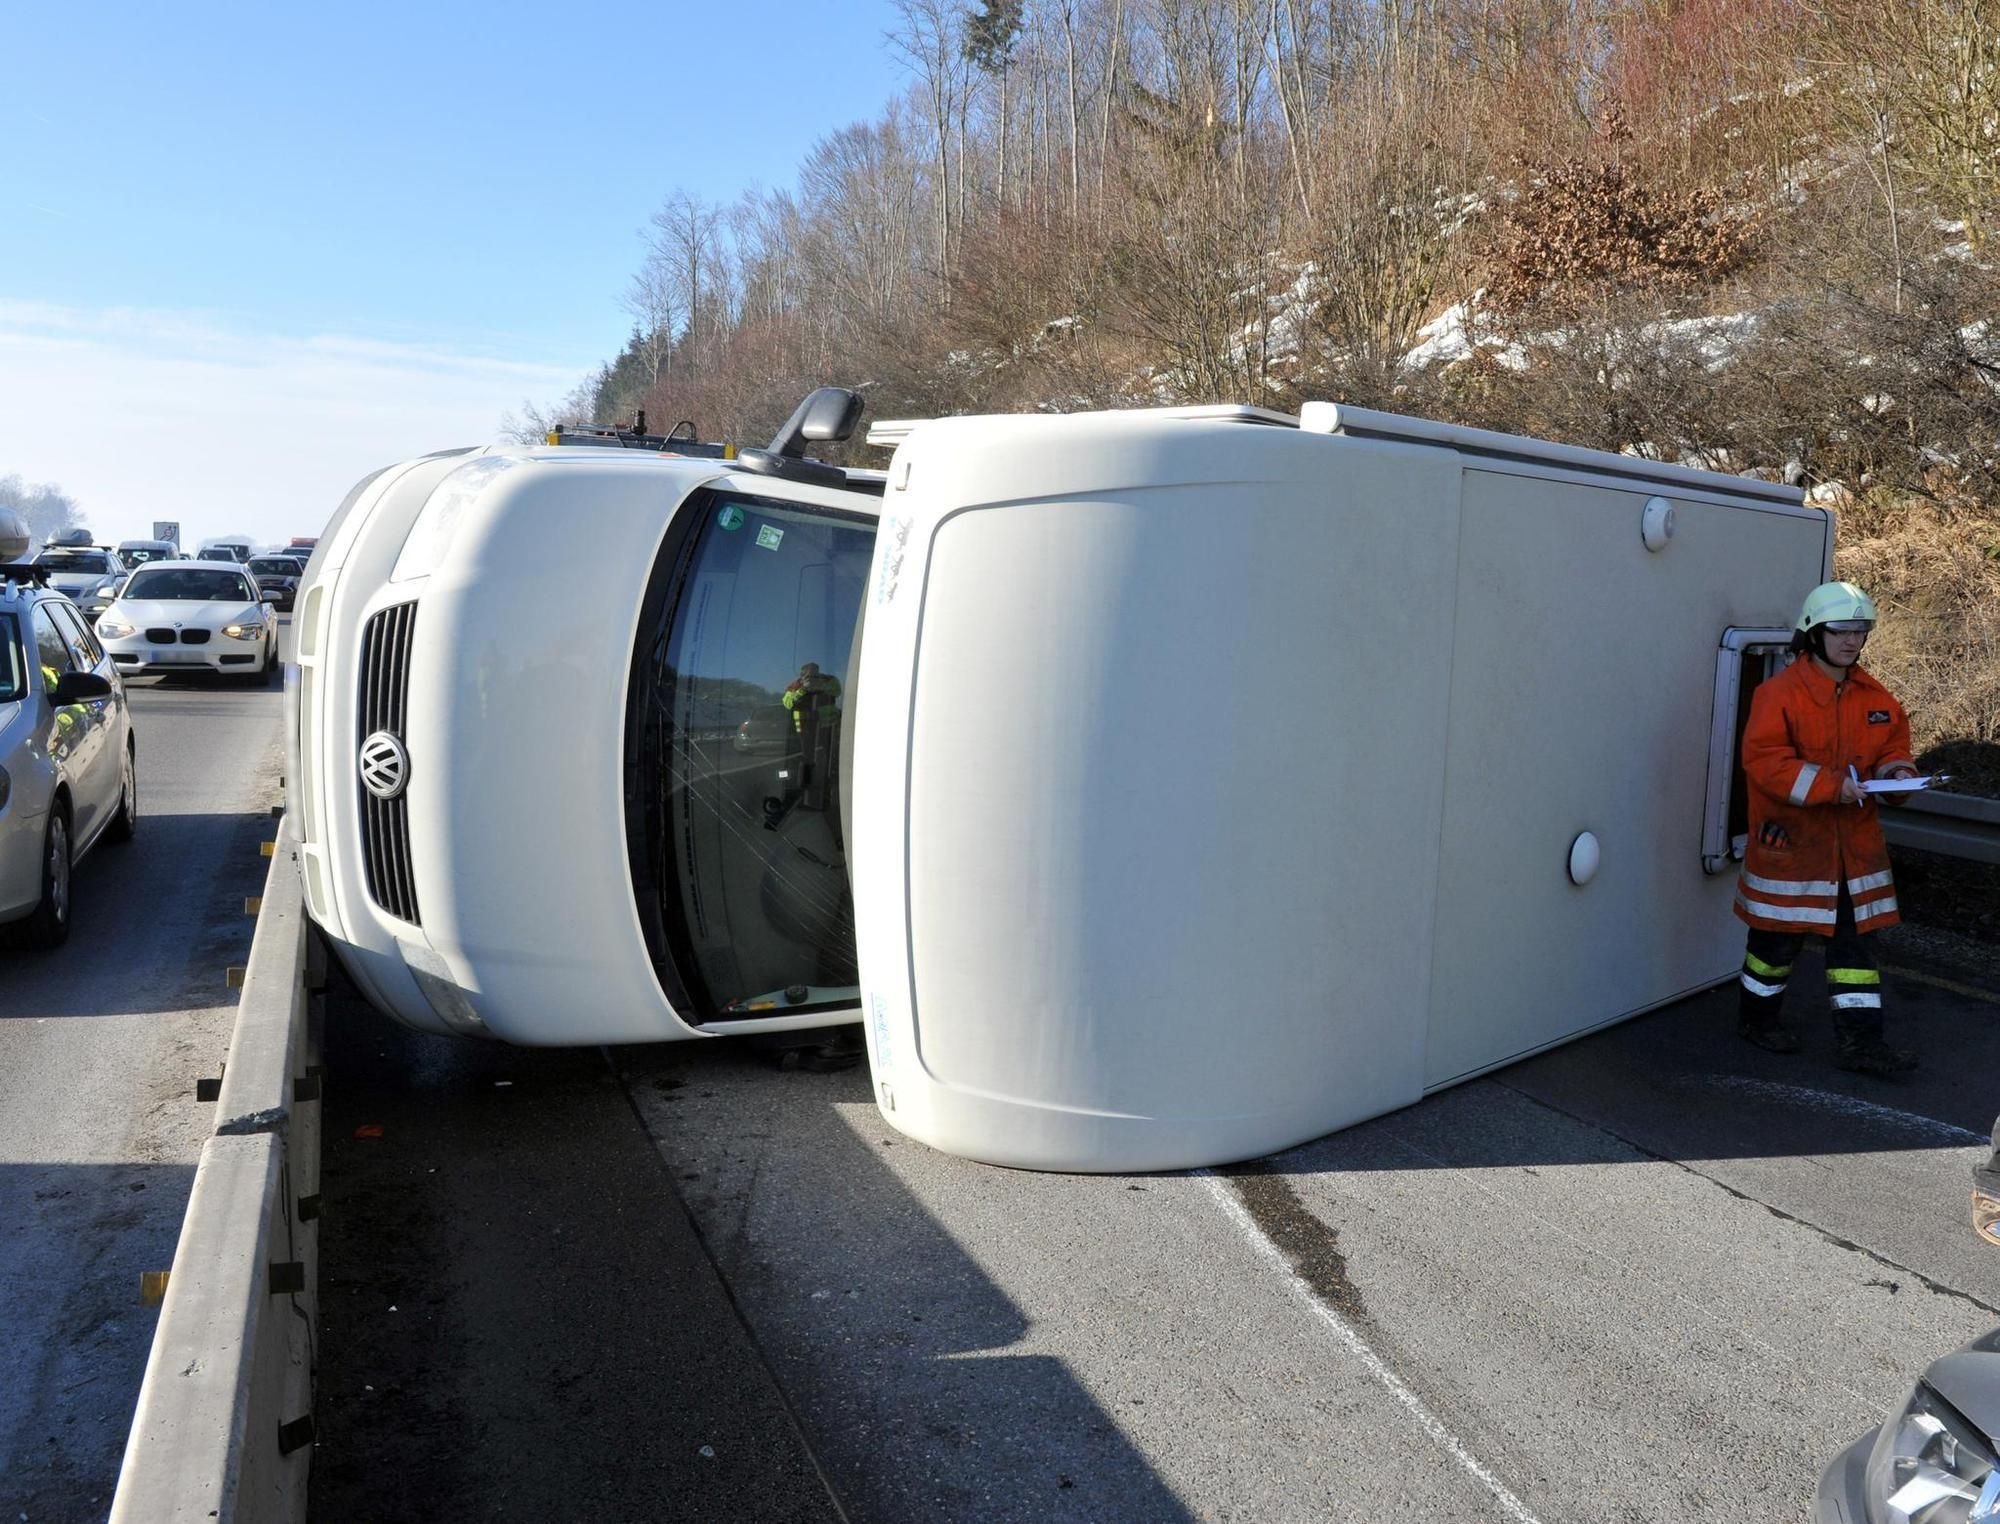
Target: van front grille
[(384, 707)]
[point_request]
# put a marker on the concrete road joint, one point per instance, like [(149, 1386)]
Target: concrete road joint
[(736, 1309), (1933, 1286)]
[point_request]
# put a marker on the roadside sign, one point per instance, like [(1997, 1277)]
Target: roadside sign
[(168, 530)]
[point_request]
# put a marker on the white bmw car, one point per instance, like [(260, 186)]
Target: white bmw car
[(522, 676), (177, 617)]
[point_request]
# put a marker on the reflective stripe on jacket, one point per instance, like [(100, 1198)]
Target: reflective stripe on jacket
[(1804, 733)]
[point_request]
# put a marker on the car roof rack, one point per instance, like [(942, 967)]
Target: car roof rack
[(34, 573), (679, 440)]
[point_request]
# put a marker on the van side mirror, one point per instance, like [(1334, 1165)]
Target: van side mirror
[(79, 688), (829, 413)]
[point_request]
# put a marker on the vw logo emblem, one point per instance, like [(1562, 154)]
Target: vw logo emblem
[(385, 765)]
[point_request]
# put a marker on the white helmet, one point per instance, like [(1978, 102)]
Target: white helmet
[(1837, 606)]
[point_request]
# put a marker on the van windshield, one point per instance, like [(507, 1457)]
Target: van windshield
[(732, 753)]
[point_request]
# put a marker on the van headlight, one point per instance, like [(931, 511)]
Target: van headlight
[(252, 630), (437, 522), (1930, 1466)]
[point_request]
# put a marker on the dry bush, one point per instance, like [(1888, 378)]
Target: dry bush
[(1585, 230), (1936, 576), (1873, 357)]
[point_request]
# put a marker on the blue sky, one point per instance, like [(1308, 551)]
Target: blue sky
[(250, 253)]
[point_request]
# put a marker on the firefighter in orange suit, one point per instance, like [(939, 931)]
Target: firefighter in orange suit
[(1816, 864)]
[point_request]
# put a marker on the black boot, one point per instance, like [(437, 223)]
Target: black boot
[(1771, 1035), (1867, 1053)]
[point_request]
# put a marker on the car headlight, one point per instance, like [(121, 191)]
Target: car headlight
[(113, 629), (244, 631), (1930, 1466)]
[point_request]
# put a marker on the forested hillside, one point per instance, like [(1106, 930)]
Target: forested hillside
[(1754, 234)]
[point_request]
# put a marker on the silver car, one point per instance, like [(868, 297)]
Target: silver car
[(1937, 1458), (68, 763), (88, 575)]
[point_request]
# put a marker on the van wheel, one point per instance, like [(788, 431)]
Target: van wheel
[(125, 824), (49, 925)]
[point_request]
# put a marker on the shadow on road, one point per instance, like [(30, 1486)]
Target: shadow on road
[(1679, 1084), (520, 1316), (907, 1362), (516, 1318), (155, 922)]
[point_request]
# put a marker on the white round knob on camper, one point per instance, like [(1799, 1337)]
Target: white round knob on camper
[(1656, 523), (1584, 857)]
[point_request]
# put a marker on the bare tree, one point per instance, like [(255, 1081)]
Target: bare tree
[(932, 42), (683, 266), (654, 303), (46, 508)]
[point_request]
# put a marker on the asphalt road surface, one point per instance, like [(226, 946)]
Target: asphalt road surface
[(101, 1043), (1656, 1274)]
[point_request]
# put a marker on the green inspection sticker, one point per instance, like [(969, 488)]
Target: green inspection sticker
[(730, 517), (769, 536)]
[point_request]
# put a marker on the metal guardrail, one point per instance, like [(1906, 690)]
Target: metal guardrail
[(223, 1428), (1957, 825)]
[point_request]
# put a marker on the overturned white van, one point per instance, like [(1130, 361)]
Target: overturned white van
[(1158, 788)]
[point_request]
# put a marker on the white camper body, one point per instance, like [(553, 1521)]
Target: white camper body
[(1221, 780)]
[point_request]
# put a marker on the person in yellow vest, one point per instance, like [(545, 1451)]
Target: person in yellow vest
[(807, 692)]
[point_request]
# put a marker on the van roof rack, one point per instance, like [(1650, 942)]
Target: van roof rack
[(678, 440)]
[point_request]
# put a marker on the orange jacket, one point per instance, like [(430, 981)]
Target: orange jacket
[(1804, 734)]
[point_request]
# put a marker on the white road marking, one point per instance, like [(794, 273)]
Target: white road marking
[(1238, 1214), (1943, 1134)]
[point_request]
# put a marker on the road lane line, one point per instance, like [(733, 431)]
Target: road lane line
[(1929, 1129), (1344, 1331)]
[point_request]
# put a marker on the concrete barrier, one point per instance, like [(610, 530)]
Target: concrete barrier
[(223, 1429)]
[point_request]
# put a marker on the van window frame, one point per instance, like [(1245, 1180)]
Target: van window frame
[(1746, 657), (661, 917)]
